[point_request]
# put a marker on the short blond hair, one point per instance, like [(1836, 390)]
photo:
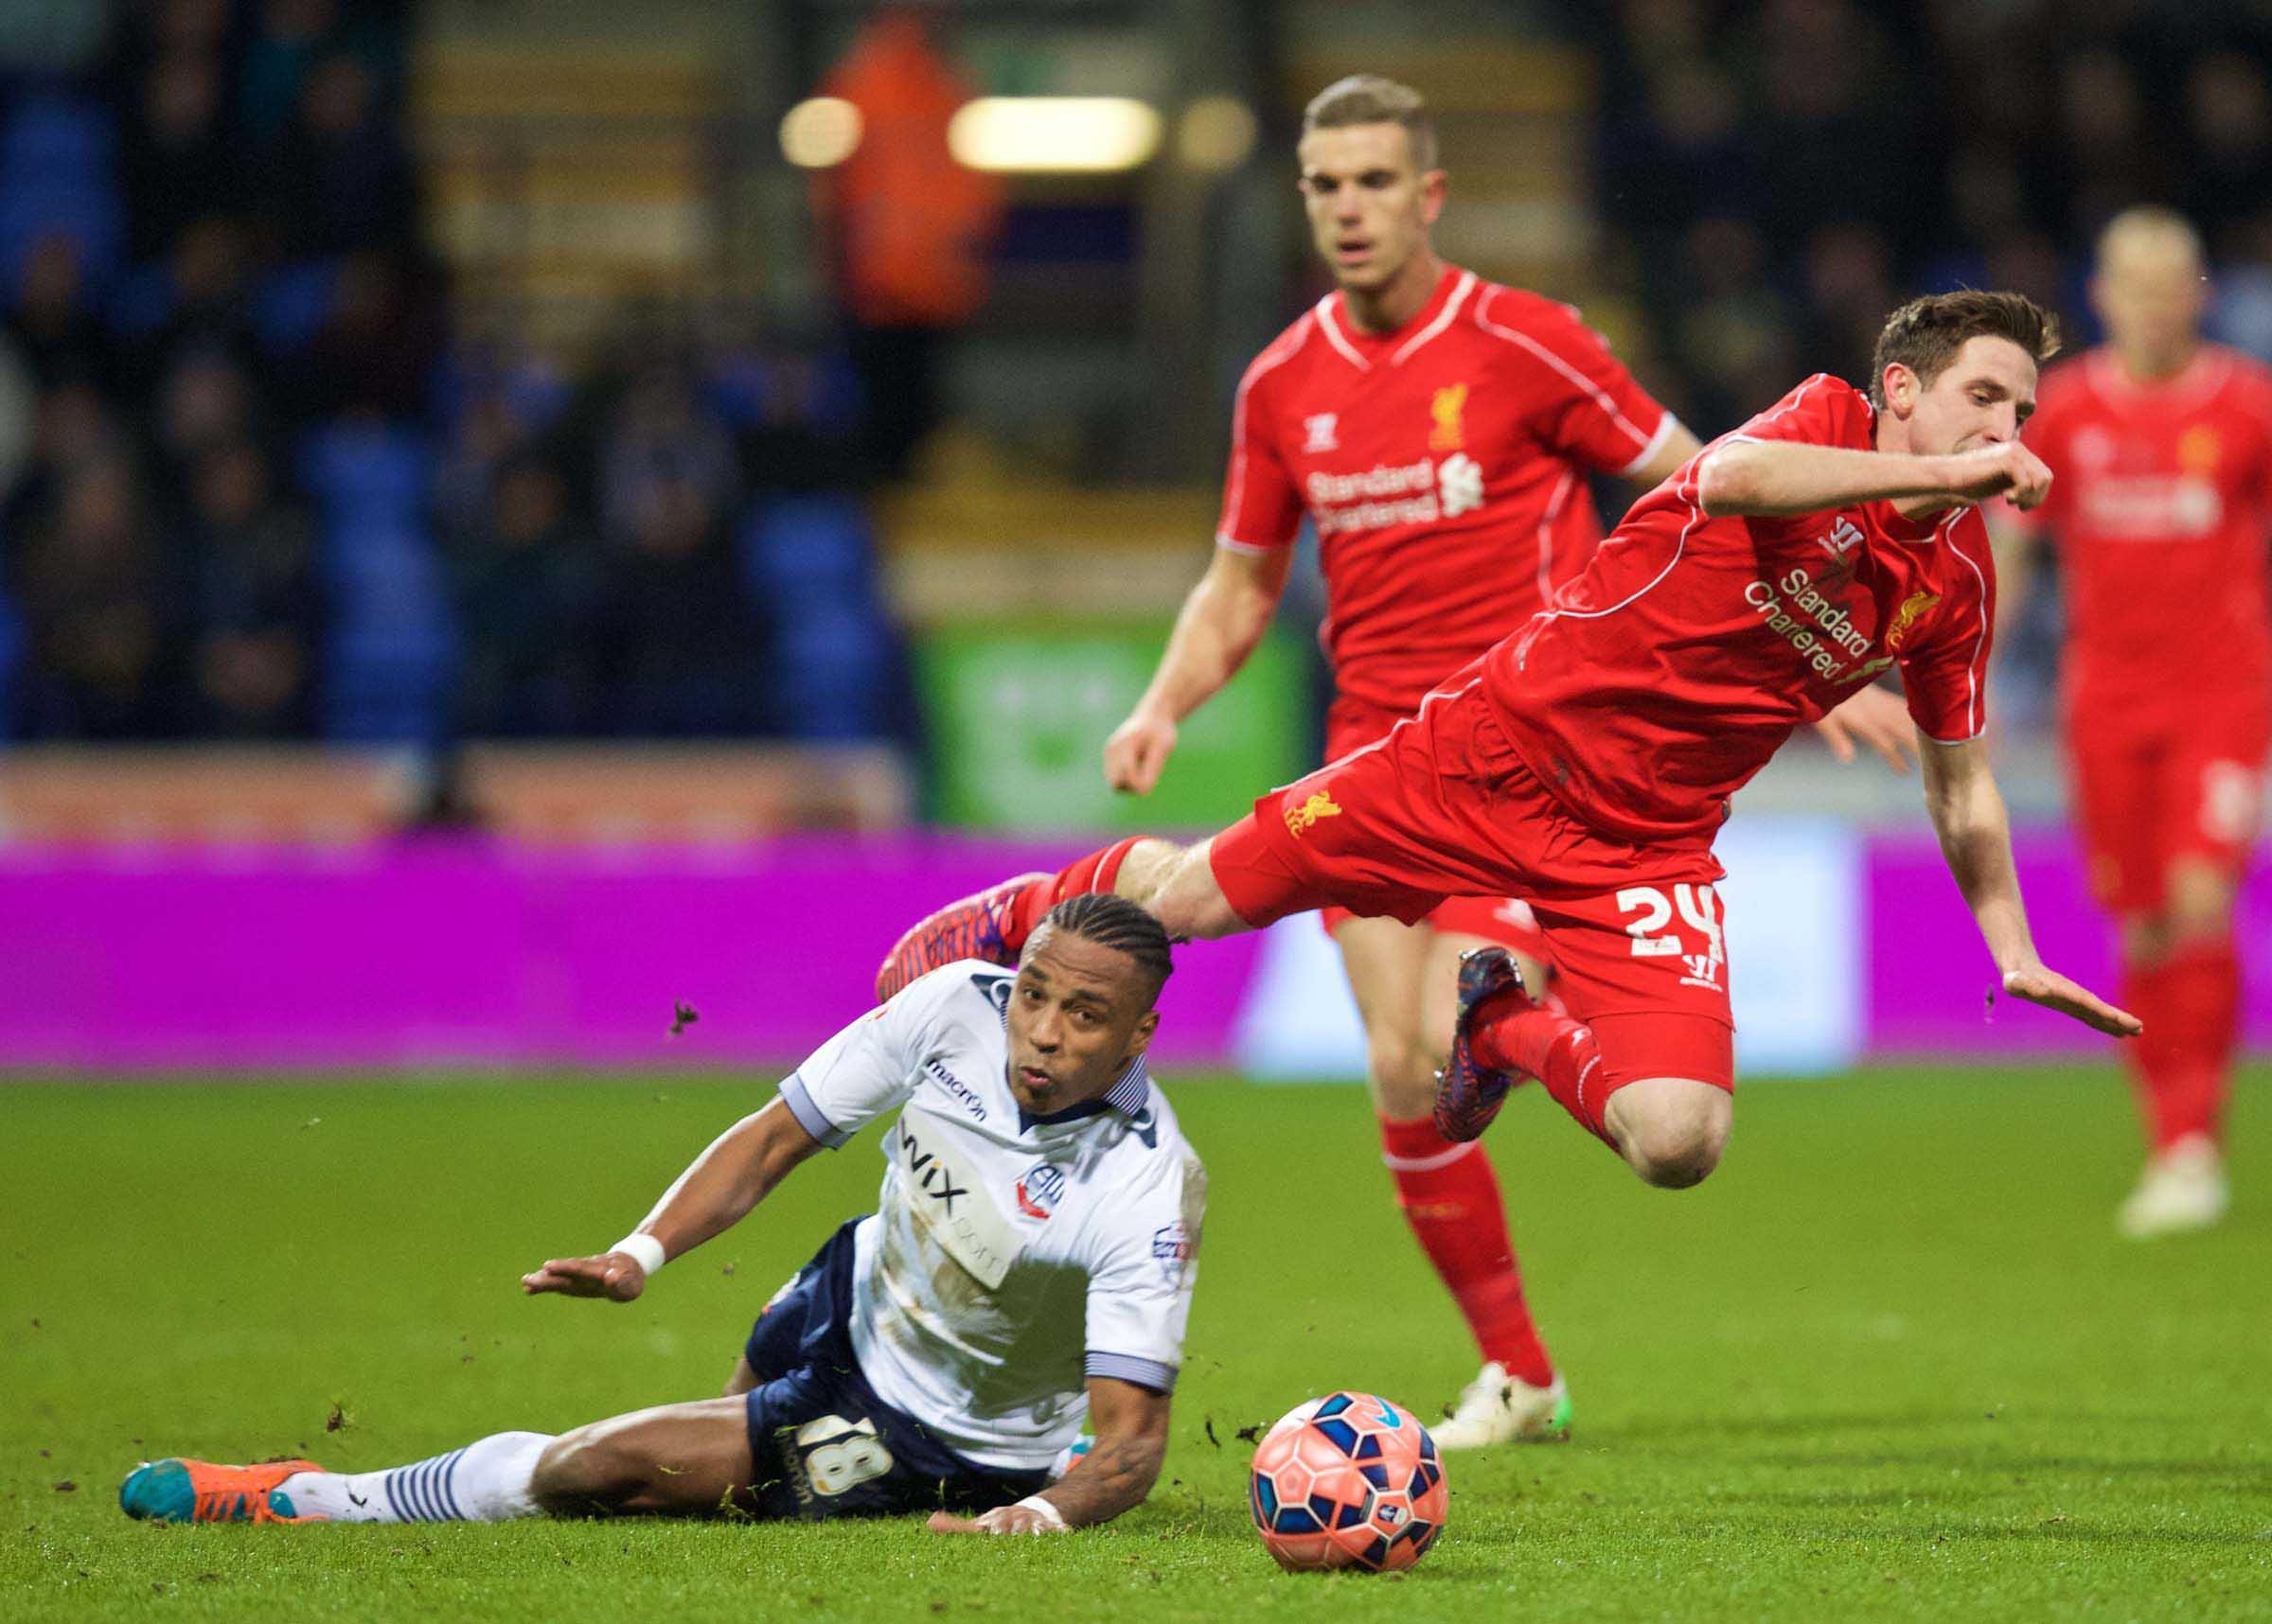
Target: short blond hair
[(1370, 99), (2147, 220)]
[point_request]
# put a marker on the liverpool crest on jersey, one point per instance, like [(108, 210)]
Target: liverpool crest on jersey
[(1905, 616), (1448, 433)]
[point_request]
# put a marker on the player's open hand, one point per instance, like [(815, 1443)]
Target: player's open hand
[(1874, 717), (615, 1275), (1137, 753), (1001, 1520), (2009, 470), (2039, 985)]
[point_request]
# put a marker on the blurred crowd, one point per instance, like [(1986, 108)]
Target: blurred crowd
[(1780, 173), (255, 483)]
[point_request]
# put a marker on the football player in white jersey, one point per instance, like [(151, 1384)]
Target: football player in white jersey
[(1030, 1262)]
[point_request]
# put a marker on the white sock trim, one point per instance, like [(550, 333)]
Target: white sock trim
[(1429, 1163)]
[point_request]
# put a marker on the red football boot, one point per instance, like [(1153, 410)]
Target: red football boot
[(976, 928)]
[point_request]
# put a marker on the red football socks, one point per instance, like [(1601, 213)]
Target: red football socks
[(2181, 1067), (1097, 872), (1450, 1197), (1512, 1033)]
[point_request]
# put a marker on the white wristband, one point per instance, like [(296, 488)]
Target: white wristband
[(646, 1249), (1050, 1514)]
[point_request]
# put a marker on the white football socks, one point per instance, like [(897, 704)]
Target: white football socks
[(484, 1482)]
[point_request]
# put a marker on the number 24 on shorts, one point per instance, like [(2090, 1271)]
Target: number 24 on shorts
[(1698, 907)]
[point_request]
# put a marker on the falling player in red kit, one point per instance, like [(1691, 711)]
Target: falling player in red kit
[(1439, 432), (1585, 762), (2162, 511)]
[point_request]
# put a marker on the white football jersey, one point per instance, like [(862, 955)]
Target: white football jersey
[(1010, 1257)]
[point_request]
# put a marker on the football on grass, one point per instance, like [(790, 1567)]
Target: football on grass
[(1348, 1480)]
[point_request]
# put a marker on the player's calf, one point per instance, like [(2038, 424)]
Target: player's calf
[(675, 1458)]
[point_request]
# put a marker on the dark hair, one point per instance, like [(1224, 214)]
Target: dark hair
[(1116, 922), (1926, 334), (1369, 99)]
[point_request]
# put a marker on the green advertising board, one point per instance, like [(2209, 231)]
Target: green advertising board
[(1018, 712)]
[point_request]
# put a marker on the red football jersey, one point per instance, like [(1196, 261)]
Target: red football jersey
[(1670, 671), (1444, 468), (2161, 508)]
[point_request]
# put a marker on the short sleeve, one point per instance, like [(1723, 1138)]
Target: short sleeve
[(1262, 506), (1141, 1281), (1945, 668), (865, 1070), (1821, 411), (1590, 409)]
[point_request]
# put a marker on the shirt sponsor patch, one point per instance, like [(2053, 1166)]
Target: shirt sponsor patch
[(950, 1200), (1171, 1244)]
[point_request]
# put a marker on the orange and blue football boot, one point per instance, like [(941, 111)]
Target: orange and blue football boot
[(1468, 1093), (975, 927), (177, 1491)]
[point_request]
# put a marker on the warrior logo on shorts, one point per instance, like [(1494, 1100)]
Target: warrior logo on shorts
[(1449, 434), (1905, 616), (1301, 820)]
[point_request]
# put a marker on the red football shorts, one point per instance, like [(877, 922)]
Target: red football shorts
[(1444, 808), (1353, 723), (2144, 800)]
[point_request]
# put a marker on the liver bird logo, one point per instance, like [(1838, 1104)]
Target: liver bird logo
[(1448, 434), (1301, 820), (1905, 616)]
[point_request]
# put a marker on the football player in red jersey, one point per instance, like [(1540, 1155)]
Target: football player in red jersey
[(2161, 512), (1586, 760), (1438, 431)]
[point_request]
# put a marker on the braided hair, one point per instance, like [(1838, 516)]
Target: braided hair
[(1116, 922)]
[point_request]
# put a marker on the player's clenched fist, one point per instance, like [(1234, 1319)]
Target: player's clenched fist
[(614, 1275), (2009, 470), (1137, 753)]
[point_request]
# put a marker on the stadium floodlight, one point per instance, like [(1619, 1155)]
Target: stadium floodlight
[(1216, 133), (1053, 134), (820, 132)]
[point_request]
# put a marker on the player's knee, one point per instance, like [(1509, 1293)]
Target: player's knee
[(1403, 1075), (1672, 1136), (1670, 1160), (585, 1470)]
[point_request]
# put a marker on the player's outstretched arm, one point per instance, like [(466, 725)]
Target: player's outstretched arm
[(1222, 619), (741, 1167), (1976, 840), (1779, 478), (1114, 1476)]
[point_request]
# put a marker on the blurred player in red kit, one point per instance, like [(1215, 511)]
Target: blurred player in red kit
[(1585, 762), (2161, 512)]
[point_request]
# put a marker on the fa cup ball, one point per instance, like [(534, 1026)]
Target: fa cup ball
[(1348, 1480)]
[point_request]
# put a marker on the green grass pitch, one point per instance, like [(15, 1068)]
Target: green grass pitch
[(1889, 1363)]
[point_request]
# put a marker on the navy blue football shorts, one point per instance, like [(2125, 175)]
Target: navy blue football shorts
[(823, 1444)]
